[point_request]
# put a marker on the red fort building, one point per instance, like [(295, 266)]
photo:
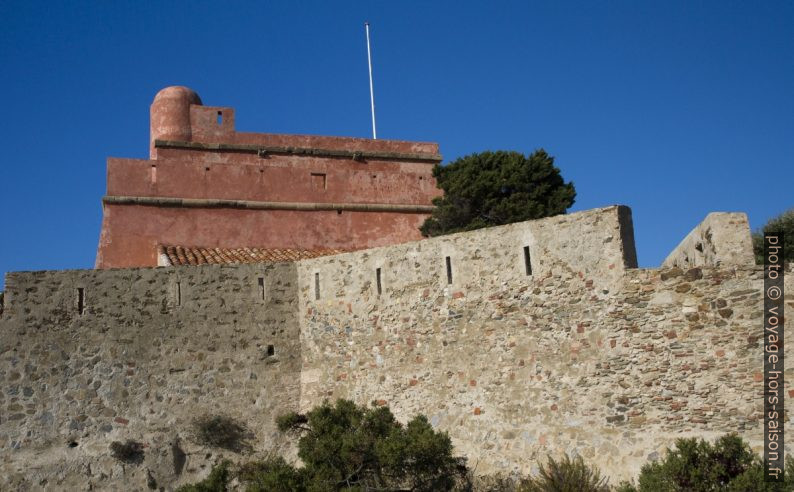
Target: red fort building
[(210, 194)]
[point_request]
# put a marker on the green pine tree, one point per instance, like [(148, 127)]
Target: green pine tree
[(495, 188)]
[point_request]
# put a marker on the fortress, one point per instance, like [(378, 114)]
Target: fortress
[(208, 186), (522, 340)]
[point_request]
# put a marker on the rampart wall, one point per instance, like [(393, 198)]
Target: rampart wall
[(581, 356), (152, 349), (520, 341), (722, 238)]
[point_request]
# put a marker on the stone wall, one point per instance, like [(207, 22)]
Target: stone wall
[(721, 239), (582, 356), (520, 341), (152, 350)]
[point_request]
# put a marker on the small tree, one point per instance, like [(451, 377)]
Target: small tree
[(699, 466), (351, 447), (495, 188), (566, 475), (782, 223), (217, 481)]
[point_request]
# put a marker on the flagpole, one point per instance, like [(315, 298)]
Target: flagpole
[(371, 91)]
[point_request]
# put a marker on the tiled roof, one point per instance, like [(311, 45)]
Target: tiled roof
[(184, 255)]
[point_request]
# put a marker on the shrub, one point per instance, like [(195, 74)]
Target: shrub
[(698, 466), (217, 481), (222, 432), (272, 475), (351, 447), (127, 452), (566, 475), (346, 446), (496, 483), (782, 223), (752, 480)]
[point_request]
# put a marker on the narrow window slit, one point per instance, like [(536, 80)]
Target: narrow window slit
[(317, 286), (527, 260), (80, 300), (271, 350), (154, 174), (179, 293), (449, 270), (220, 117), (262, 287), (377, 279)]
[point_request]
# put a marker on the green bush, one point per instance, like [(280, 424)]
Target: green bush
[(351, 447), (566, 475), (497, 483), (782, 223), (222, 432), (217, 481), (698, 466), (273, 475)]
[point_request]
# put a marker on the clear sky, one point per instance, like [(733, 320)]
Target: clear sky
[(673, 108)]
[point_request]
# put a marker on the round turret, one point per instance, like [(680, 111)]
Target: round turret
[(170, 115)]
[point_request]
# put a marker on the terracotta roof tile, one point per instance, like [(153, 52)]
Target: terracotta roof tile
[(191, 255)]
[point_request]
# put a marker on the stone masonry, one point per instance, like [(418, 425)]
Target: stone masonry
[(523, 340)]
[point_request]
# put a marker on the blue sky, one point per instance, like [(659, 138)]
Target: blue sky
[(675, 109)]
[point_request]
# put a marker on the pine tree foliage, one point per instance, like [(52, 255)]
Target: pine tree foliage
[(350, 447), (495, 188), (782, 223)]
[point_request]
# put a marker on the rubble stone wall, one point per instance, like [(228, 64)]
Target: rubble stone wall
[(519, 341), (152, 350)]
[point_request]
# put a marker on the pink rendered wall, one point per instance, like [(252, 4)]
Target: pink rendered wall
[(130, 233)]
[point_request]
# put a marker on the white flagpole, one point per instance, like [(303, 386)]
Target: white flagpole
[(371, 91)]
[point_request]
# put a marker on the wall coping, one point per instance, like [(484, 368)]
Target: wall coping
[(159, 201), (264, 150)]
